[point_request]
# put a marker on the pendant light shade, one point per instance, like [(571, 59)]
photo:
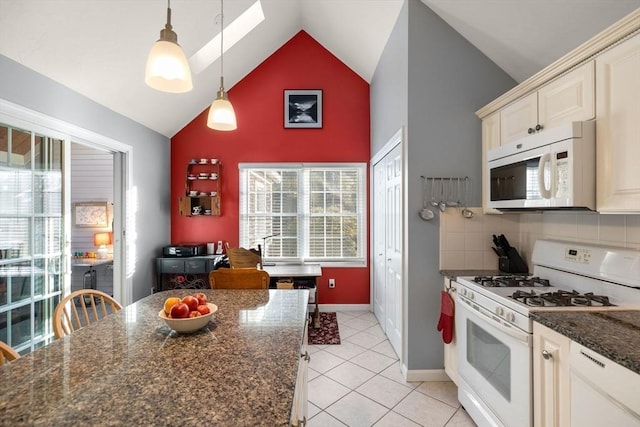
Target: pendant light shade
[(221, 114), (167, 66)]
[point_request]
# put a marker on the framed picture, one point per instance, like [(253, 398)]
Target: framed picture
[(303, 108), (91, 214)]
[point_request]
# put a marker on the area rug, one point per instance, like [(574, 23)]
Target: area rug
[(327, 333)]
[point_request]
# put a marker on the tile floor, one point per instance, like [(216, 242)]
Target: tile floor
[(359, 383)]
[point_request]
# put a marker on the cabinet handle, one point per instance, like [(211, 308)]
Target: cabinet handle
[(530, 130), (547, 355), (538, 127)]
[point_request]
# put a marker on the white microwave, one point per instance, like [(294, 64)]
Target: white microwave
[(553, 169)]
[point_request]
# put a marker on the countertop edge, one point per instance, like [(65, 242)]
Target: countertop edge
[(455, 273), (564, 323)]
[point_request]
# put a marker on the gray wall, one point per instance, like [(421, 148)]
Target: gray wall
[(151, 152), (448, 80), (389, 88)]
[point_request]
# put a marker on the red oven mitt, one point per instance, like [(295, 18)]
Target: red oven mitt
[(445, 324)]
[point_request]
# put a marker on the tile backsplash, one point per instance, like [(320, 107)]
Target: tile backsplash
[(466, 243)]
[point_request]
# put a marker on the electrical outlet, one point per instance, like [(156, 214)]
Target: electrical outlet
[(332, 283)]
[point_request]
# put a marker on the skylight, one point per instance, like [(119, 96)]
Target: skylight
[(233, 33)]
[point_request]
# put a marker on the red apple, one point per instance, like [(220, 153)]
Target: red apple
[(202, 298), (179, 311), (191, 301), (203, 309), (194, 314)]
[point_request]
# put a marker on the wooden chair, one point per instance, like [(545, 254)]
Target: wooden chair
[(239, 278), (7, 354), (81, 308), (244, 258)]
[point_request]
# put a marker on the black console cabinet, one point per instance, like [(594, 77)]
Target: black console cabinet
[(187, 272)]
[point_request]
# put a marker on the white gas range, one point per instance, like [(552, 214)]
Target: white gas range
[(494, 331)]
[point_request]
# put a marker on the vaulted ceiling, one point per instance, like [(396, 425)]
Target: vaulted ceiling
[(99, 47)]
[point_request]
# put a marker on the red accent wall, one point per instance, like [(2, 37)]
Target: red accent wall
[(258, 100)]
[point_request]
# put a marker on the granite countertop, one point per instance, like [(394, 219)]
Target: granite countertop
[(131, 369), (613, 334), (453, 274)]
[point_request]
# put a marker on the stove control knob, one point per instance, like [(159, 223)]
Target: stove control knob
[(472, 295), (511, 317), (499, 311)]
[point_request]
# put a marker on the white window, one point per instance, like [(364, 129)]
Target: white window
[(305, 212)]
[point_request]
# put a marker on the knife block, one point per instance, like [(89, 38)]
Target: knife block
[(512, 263)]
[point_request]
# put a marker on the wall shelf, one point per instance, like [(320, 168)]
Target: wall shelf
[(202, 189)]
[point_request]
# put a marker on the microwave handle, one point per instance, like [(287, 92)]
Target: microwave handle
[(544, 191)]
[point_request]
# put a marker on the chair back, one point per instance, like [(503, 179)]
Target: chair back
[(81, 308), (7, 354), (244, 258), (239, 278)]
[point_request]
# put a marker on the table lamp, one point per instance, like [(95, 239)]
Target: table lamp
[(102, 240)]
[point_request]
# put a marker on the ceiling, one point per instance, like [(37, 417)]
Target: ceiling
[(99, 47)]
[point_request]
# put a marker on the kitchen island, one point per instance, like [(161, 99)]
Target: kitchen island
[(131, 369)]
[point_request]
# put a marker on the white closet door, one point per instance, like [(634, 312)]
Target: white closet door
[(387, 244), (379, 225)]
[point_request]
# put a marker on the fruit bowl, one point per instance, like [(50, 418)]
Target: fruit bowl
[(189, 324)]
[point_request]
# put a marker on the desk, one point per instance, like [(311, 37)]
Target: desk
[(299, 272), (90, 280), (130, 369)]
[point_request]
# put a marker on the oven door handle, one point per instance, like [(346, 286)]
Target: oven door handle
[(489, 318)]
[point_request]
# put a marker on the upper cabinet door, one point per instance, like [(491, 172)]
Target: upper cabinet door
[(517, 118), (569, 98), (618, 128), (566, 99)]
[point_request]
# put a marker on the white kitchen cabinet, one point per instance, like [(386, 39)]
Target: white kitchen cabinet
[(569, 98), (618, 128), (490, 139), (451, 350), (299, 411), (517, 118), (551, 378), (566, 99)]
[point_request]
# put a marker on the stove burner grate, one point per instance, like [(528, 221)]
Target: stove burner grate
[(561, 299), (510, 281)]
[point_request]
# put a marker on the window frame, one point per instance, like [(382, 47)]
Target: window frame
[(303, 213)]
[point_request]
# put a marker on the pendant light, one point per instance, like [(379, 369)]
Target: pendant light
[(167, 67), (221, 115)]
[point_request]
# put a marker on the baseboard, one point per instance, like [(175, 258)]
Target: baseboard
[(341, 307), (415, 375)]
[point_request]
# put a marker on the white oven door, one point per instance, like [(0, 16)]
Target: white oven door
[(494, 368)]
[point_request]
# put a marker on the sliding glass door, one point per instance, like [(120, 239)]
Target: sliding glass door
[(32, 237)]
